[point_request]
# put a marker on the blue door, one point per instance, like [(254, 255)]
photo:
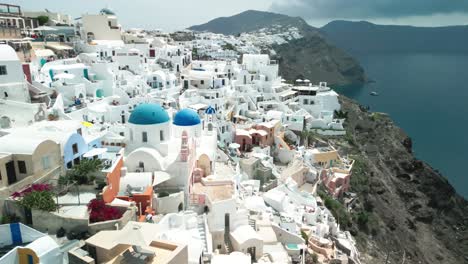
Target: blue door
[(86, 74)]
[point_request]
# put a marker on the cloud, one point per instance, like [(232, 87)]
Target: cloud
[(365, 9)]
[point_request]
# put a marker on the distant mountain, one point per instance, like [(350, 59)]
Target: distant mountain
[(310, 57), (249, 21), (364, 38)]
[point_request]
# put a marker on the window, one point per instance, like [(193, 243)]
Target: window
[(122, 134), (22, 167), (161, 135), (202, 82), (45, 162), (69, 165), (141, 164), (75, 148), (3, 70), (145, 137), (306, 101)]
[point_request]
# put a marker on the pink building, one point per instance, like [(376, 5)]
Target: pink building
[(244, 139), (337, 183), (262, 135)]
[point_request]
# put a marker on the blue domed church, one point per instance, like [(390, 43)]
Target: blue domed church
[(172, 150)]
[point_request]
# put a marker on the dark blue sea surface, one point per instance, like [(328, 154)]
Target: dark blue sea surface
[(426, 95)]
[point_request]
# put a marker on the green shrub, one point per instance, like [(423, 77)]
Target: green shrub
[(40, 200), (305, 236), (8, 219), (82, 173), (43, 20), (337, 209)]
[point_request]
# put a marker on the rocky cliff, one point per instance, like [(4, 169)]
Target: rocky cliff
[(405, 211)]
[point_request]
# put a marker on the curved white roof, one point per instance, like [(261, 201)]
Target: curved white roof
[(245, 233), (7, 53), (17, 144)]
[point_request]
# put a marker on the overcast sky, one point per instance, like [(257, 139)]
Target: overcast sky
[(179, 14)]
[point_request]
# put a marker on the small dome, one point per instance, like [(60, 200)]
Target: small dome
[(148, 114), (210, 111), (7, 53), (107, 11), (186, 117)]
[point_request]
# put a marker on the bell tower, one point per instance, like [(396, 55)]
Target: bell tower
[(209, 119)]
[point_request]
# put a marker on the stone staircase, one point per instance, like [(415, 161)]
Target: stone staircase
[(253, 224), (227, 243), (202, 231)]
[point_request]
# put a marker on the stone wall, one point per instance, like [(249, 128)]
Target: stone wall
[(50, 222), (129, 215), (286, 237)]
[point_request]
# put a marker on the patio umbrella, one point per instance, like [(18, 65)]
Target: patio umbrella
[(44, 28), (95, 152), (27, 39), (64, 76), (138, 234)]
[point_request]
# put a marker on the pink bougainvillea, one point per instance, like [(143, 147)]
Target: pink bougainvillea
[(99, 211), (40, 187)]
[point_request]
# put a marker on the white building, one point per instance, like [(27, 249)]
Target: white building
[(101, 27), (13, 85)]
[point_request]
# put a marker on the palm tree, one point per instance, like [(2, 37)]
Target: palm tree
[(340, 114), (306, 136)]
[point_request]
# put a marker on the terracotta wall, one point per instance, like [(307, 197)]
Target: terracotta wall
[(145, 199), (113, 183)]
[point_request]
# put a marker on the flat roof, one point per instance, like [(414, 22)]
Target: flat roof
[(215, 192)]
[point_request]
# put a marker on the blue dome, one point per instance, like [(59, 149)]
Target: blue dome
[(210, 111), (148, 114), (186, 117), (107, 11)]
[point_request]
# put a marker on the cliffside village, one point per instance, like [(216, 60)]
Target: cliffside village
[(202, 153)]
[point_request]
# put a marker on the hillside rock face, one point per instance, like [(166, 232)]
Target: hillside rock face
[(314, 59), (310, 57), (419, 216)]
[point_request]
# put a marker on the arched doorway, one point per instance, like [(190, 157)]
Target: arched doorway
[(181, 207), (5, 122), (204, 163), (99, 93)]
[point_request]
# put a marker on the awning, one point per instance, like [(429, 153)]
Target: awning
[(120, 202), (234, 146), (64, 76), (44, 53), (58, 47), (160, 177), (87, 124), (44, 28), (197, 107), (95, 152)]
